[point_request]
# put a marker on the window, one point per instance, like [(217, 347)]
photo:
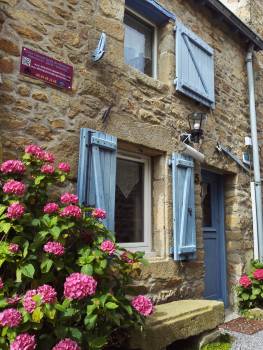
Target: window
[(140, 48), (119, 182), (133, 202)]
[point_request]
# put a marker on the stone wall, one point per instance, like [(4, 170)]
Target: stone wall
[(146, 113)]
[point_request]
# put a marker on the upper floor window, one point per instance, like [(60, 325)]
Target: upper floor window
[(140, 49)]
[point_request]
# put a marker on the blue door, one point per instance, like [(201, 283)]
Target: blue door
[(214, 237)]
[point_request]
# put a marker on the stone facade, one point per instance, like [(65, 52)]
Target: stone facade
[(147, 115)]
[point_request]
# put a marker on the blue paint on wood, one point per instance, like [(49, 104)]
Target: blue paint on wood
[(194, 66), (214, 242), (184, 226), (97, 172), (151, 10)]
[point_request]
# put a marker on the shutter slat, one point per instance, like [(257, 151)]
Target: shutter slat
[(194, 66), (184, 231), (97, 172)]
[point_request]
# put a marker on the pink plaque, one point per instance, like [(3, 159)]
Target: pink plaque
[(39, 66)]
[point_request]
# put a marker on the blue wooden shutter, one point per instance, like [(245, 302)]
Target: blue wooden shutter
[(97, 172), (184, 230), (194, 66)]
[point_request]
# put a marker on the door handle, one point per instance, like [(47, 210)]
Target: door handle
[(190, 211)]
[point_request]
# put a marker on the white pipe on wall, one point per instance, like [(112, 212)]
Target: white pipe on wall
[(254, 137), (254, 216)]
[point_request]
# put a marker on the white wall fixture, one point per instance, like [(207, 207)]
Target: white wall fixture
[(99, 52)]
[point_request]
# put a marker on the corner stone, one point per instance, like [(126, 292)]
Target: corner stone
[(178, 320)]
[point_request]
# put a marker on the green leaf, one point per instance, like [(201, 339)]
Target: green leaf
[(55, 232), (37, 315), (75, 333), (97, 343), (62, 178), (256, 291), (25, 249), (6, 227), (28, 270), (111, 305), (128, 308), (3, 303), (87, 269), (90, 321), (35, 222), (18, 228), (103, 299), (46, 265), (50, 314), (39, 178), (2, 209), (103, 263), (245, 296), (90, 309), (18, 275), (54, 221), (69, 312)]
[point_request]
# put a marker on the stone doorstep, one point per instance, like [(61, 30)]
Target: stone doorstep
[(178, 320)]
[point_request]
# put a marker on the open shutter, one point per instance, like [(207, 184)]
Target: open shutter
[(97, 172), (183, 207), (194, 66)]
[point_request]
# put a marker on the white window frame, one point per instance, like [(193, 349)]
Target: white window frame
[(146, 245), (154, 44)]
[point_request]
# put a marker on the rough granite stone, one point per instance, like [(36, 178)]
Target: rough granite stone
[(178, 320)]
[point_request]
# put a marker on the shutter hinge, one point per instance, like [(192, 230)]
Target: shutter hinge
[(103, 143)]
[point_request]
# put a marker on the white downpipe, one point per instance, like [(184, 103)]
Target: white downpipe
[(254, 216), (253, 126)]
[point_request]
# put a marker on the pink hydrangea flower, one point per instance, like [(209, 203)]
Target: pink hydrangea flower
[(78, 286), (13, 167), (34, 150), (71, 211), (13, 247), (68, 198), (10, 318), (47, 169), (125, 257), (143, 305), (258, 274), (15, 211), (50, 208), (14, 187), (64, 167), (47, 293), (1, 283), (245, 281), (24, 341), (13, 300), (55, 248), (99, 213), (108, 247), (66, 344), (28, 303), (47, 157)]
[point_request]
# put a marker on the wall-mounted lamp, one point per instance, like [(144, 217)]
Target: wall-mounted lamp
[(196, 121)]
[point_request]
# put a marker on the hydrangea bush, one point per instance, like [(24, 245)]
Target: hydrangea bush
[(250, 287), (63, 283)]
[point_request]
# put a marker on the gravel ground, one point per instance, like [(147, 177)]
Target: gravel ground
[(247, 342)]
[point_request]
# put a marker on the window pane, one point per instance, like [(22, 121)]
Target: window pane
[(138, 44), (129, 201)]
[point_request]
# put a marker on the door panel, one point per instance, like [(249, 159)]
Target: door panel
[(214, 236)]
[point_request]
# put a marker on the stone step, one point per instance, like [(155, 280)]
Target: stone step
[(178, 320)]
